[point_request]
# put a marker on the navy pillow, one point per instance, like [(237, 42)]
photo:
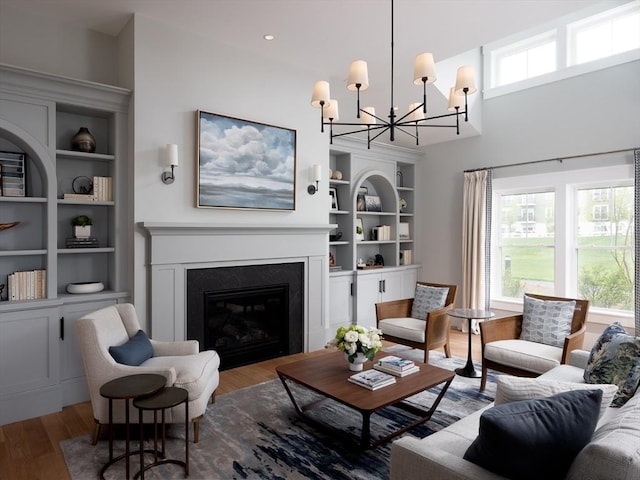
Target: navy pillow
[(135, 351), (534, 439)]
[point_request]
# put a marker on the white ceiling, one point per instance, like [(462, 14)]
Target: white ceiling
[(324, 36)]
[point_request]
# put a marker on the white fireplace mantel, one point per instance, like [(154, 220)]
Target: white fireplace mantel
[(174, 248)]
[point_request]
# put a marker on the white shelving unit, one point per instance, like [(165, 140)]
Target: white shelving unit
[(375, 171), (39, 114)]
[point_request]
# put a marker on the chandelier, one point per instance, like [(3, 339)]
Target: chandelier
[(416, 116)]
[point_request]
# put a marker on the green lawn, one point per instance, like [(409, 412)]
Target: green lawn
[(533, 258)]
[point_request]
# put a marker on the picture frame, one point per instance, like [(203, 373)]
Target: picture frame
[(360, 203), (244, 164), (403, 231), (359, 230), (372, 203), (333, 198)]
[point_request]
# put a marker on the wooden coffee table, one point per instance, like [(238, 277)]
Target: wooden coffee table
[(327, 375)]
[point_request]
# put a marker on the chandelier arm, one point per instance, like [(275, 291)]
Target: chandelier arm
[(466, 116), (387, 127), (401, 129), (321, 116), (384, 128), (373, 127)]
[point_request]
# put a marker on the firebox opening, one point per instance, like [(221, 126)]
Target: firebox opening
[(245, 324)]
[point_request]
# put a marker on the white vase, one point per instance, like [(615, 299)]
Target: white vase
[(358, 362)]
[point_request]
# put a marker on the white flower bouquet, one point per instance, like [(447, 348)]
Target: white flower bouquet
[(355, 339)]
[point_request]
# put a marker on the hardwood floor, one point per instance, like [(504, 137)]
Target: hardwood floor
[(30, 449)]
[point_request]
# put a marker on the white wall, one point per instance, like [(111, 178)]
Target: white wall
[(37, 43), (177, 73), (591, 113)]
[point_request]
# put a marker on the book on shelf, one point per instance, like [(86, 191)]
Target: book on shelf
[(90, 242), (397, 373), (397, 364), (372, 379), (12, 174), (78, 196), (103, 189), (27, 285)]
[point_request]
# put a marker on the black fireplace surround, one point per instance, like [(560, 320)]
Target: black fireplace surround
[(247, 313)]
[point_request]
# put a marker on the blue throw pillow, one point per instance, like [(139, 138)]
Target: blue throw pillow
[(534, 439), (615, 359), (137, 350)]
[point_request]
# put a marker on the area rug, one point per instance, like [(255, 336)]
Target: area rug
[(255, 433)]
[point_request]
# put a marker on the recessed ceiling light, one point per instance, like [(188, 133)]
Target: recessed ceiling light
[(268, 36)]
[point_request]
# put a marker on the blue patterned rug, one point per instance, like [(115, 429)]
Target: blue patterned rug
[(255, 433)]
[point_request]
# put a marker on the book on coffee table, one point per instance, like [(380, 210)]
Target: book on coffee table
[(397, 373), (391, 362), (372, 379)]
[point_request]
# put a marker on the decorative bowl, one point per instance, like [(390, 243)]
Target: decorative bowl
[(85, 287)]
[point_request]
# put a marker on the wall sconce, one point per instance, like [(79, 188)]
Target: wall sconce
[(171, 153), (317, 176)]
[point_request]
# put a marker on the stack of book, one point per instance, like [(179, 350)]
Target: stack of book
[(27, 285), (397, 366), (372, 379), (90, 242), (103, 189), (12, 174)]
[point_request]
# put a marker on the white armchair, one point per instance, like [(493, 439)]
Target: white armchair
[(181, 363)]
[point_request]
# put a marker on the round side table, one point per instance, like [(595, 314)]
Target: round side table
[(168, 397), (470, 314), (127, 388)]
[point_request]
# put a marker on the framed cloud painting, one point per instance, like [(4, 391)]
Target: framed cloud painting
[(244, 164)]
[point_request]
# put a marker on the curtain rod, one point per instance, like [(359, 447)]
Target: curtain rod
[(558, 159)]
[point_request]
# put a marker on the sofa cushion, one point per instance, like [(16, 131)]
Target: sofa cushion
[(535, 439), (513, 389), (546, 321), (408, 328), (428, 299), (531, 356), (614, 449), (615, 358), (134, 352)]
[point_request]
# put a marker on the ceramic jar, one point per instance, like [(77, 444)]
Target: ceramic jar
[(83, 141)]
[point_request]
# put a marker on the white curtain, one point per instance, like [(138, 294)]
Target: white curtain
[(475, 240)]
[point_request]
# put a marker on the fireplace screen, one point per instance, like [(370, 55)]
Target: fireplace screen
[(248, 323)]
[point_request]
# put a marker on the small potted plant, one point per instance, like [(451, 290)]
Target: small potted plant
[(81, 226)]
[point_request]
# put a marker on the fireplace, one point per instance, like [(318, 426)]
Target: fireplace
[(247, 313)]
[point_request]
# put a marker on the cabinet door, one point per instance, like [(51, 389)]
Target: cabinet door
[(391, 288), (72, 374), (367, 295), (340, 302), (29, 372)]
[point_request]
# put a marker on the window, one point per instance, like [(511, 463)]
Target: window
[(531, 58), (579, 43), (568, 235), (608, 33)]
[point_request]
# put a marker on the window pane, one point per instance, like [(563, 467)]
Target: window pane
[(542, 59), (606, 34), (527, 243), (605, 240)]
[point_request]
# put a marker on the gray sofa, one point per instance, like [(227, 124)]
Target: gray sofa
[(613, 453)]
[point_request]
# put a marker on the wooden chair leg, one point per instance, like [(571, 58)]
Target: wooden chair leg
[(447, 350), (96, 432), (483, 380), (196, 429), (426, 355)]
